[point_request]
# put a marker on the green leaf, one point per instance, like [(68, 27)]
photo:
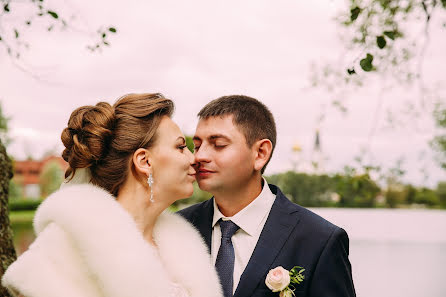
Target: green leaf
[(111, 29), (0, 38), (28, 23), (351, 71), (355, 13), (366, 63), (16, 33), (106, 43), (381, 41), (390, 34), (53, 14), (103, 35), (6, 7)]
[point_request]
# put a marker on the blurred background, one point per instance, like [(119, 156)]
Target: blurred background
[(357, 89)]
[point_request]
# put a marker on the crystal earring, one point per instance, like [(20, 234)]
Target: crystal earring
[(150, 182)]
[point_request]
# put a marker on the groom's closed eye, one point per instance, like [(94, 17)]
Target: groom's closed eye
[(220, 144)]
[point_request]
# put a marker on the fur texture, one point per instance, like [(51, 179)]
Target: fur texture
[(89, 246)]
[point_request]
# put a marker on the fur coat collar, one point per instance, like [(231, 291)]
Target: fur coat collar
[(84, 225)]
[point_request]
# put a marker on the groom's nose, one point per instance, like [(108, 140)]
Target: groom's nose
[(202, 155)]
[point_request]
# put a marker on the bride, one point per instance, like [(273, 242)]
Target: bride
[(106, 231)]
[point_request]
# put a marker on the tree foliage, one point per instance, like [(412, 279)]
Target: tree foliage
[(353, 189), (3, 126), (15, 190), (380, 29), (7, 251), (385, 47), (439, 142), (441, 193), (17, 17), (356, 190), (307, 190), (51, 178)]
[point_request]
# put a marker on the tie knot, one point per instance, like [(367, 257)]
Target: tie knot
[(228, 228)]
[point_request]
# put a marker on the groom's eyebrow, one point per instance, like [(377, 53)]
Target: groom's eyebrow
[(217, 136), (212, 137)]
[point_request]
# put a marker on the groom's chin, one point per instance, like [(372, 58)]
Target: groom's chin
[(203, 184)]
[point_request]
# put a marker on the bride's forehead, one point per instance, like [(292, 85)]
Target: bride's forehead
[(168, 125)]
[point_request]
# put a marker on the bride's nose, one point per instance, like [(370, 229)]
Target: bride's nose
[(190, 156)]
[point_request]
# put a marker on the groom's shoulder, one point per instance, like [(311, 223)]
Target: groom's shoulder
[(306, 216)]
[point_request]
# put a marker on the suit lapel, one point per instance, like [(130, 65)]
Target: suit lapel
[(278, 227), (203, 221)]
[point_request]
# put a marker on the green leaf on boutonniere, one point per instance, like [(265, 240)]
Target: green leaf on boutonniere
[(296, 275)]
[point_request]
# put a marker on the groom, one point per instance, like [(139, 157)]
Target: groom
[(249, 226)]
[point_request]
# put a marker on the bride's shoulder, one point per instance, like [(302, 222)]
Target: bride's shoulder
[(74, 204), (176, 227), (175, 221)]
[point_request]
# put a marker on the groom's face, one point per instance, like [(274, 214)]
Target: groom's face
[(224, 161)]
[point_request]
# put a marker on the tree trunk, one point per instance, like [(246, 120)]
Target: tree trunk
[(7, 251)]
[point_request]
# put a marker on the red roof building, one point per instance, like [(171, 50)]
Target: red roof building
[(27, 174)]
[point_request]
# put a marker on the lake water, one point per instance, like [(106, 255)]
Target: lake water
[(393, 252)]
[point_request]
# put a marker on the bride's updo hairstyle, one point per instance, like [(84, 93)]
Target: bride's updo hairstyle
[(103, 138)]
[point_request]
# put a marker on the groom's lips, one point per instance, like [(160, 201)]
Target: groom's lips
[(204, 172)]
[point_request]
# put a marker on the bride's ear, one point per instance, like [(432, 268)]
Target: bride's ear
[(142, 161)]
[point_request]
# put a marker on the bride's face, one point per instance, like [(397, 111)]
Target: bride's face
[(172, 162)]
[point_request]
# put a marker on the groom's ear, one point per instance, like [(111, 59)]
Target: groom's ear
[(142, 161), (262, 152)]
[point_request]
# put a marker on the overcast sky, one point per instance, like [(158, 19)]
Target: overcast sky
[(195, 51)]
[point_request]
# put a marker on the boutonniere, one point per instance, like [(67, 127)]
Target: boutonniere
[(281, 280)]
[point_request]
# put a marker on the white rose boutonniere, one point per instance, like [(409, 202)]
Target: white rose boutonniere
[(281, 280), (277, 279)]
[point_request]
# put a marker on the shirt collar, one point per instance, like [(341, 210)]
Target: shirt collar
[(250, 217)]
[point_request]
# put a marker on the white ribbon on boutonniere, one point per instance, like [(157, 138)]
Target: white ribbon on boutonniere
[(281, 280)]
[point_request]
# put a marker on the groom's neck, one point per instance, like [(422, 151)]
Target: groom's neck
[(232, 200)]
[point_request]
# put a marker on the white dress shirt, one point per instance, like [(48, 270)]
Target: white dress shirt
[(251, 220)]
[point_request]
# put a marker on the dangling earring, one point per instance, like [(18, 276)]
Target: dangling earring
[(150, 182)]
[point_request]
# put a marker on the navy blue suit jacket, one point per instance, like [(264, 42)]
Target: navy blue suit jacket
[(292, 236)]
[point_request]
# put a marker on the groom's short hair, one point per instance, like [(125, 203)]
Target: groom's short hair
[(254, 119)]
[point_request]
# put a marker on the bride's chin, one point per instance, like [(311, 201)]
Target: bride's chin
[(189, 191)]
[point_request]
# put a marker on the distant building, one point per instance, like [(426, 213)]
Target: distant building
[(311, 162), (27, 174), (317, 156)]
